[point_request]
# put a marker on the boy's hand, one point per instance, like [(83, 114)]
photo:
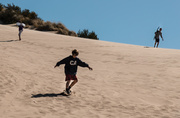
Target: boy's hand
[(90, 68)]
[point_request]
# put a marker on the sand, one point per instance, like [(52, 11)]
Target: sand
[(127, 81)]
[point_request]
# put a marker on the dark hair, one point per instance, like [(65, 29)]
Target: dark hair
[(75, 52)]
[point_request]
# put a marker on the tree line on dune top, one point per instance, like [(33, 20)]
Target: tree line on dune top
[(11, 13)]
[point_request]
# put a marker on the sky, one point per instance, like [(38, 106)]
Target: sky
[(123, 21)]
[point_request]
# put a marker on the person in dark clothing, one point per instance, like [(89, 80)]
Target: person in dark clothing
[(20, 30), (71, 64), (156, 37)]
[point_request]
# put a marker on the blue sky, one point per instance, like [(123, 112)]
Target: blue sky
[(123, 21)]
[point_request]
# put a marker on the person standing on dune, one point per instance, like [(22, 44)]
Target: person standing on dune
[(21, 26), (71, 63), (156, 37)]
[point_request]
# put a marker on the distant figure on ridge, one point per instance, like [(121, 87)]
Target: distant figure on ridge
[(21, 26), (156, 37), (71, 63)]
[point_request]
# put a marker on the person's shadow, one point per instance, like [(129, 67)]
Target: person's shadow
[(9, 41), (48, 95)]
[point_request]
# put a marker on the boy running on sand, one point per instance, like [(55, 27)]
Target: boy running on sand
[(71, 63), (156, 37)]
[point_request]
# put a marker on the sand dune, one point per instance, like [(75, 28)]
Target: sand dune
[(128, 81)]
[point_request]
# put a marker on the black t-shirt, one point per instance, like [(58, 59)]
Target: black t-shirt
[(71, 65)]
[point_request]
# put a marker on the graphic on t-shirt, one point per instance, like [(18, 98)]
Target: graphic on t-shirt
[(73, 62)]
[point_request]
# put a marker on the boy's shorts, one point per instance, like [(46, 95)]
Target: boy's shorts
[(157, 39), (70, 77)]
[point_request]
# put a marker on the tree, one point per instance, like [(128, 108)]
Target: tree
[(7, 16), (33, 15), (13, 8), (86, 34), (1, 7), (93, 35), (25, 13)]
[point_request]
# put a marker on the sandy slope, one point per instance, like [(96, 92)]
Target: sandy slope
[(127, 81)]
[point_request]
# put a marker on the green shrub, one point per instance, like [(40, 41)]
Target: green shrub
[(25, 13), (33, 15), (14, 8), (72, 33), (92, 35), (30, 15), (86, 34), (11, 14), (8, 16)]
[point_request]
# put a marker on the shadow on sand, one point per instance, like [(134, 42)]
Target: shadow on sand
[(9, 41), (48, 95)]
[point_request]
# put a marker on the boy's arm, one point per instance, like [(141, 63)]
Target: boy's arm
[(161, 36), (83, 64), (63, 61), (90, 68)]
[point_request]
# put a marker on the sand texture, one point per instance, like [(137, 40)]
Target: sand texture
[(127, 81)]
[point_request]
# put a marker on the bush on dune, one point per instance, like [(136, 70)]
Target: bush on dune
[(86, 34), (61, 31), (31, 15), (14, 8), (11, 14), (72, 33), (47, 26), (59, 26), (37, 23), (8, 17)]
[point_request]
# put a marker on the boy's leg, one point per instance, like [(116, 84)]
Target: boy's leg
[(68, 79), (67, 86), (155, 44), (73, 83), (67, 83)]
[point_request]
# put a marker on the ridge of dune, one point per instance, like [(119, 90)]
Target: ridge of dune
[(128, 81)]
